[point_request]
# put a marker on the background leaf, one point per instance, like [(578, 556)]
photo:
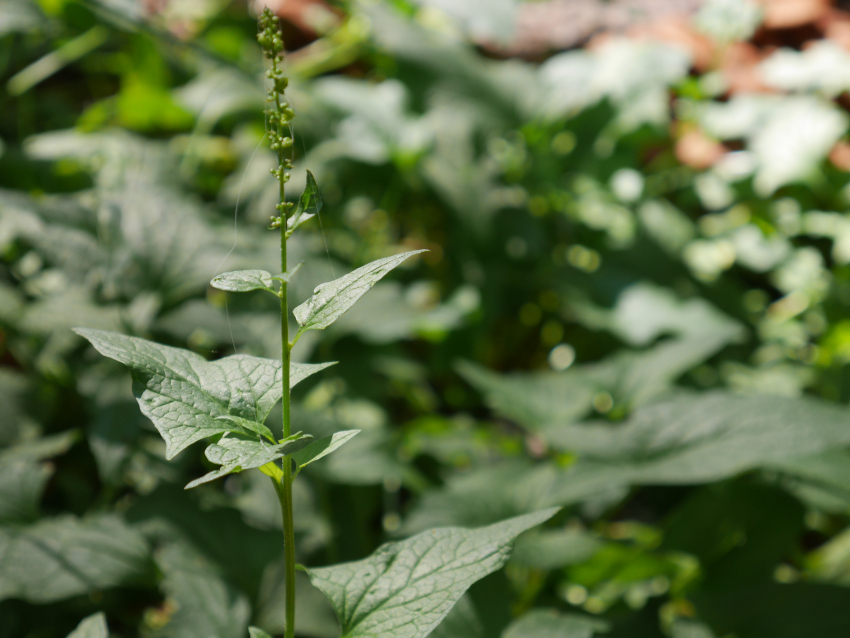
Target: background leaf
[(92, 627)]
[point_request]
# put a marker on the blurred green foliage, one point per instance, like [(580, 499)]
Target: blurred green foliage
[(660, 349)]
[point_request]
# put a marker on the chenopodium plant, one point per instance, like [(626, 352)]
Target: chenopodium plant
[(405, 588)]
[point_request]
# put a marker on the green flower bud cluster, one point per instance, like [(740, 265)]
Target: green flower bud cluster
[(280, 115), (269, 36)]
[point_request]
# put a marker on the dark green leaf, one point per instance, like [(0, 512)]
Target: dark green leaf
[(322, 447), (206, 605), (548, 623), (63, 557), (309, 205), (23, 477), (551, 549), (249, 426)]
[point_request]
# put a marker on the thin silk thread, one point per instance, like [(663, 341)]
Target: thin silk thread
[(236, 237)]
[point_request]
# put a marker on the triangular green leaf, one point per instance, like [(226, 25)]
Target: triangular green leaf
[(289, 274), (330, 300), (308, 207), (243, 281), (256, 632), (92, 627), (322, 447), (236, 455), (405, 589), (183, 393)]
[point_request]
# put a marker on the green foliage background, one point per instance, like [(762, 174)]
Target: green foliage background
[(660, 350)]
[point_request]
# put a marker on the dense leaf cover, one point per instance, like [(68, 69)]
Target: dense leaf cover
[(630, 302)]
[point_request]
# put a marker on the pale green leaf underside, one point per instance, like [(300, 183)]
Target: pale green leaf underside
[(256, 632), (183, 393), (406, 588), (323, 447), (236, 455), (243, 281), (92, 627), (330, 300)]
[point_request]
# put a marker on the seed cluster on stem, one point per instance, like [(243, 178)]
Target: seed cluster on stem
[(279, 117)]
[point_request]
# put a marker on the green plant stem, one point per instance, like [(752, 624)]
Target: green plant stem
[(285, 487), (285, 492)]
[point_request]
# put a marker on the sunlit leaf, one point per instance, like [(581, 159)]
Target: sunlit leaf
[(183, 393), (330, 300), (405, 589)]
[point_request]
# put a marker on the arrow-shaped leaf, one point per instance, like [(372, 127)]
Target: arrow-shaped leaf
[(405, 589), (236, 455), (322, 447), (308, 207), (330, 300), (183, 393), (243, 281)]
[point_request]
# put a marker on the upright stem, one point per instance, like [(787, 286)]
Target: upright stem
[(285, 493), (279, 117)]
